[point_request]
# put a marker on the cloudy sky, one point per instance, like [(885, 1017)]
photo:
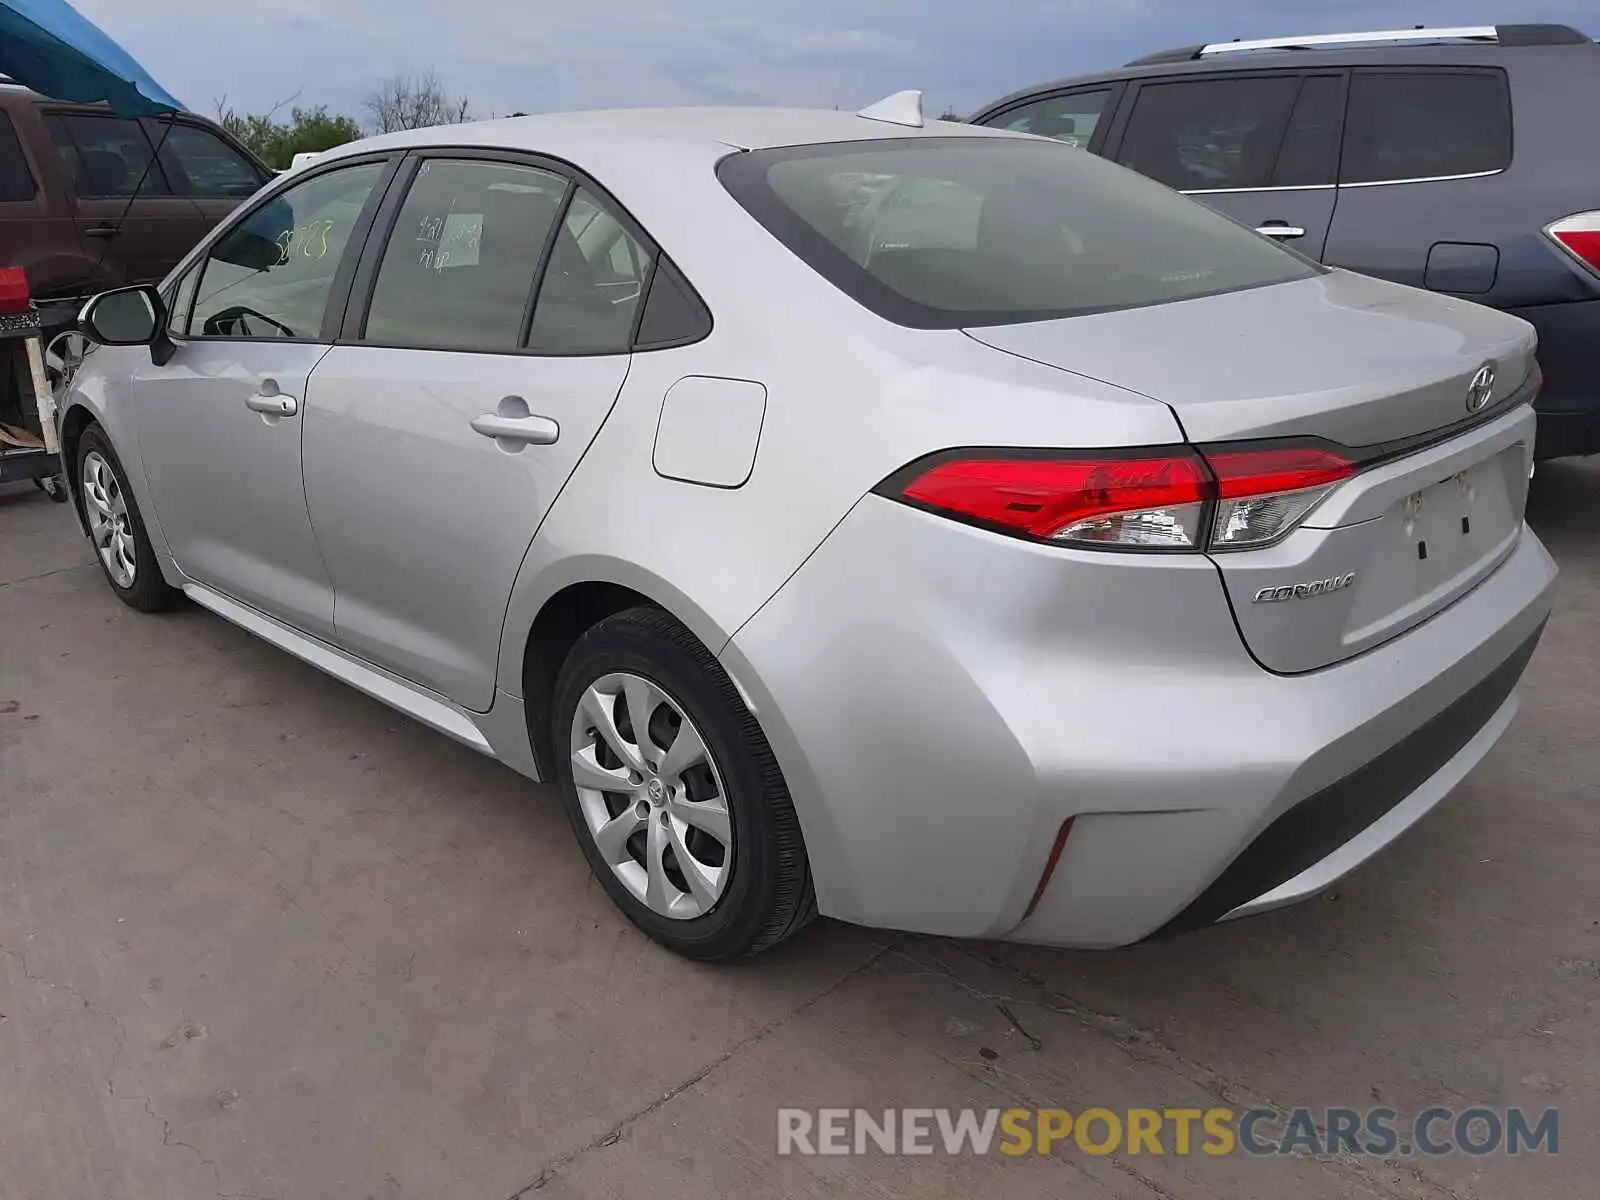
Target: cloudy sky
[(536, 55)]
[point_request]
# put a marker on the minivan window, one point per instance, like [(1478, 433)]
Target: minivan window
[(461, 261), (205, 164), (1070, 119), (1310, 153), (270, 275), (947, 232), (1405, 125), (106, 156), (16, 181), (1209, 134)]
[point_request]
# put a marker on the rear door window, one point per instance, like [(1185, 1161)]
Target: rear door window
[(16, 181), (1410, 125), (1072, 119), (202, 164), (593, 285), (458, 272), (107, 156), (1209, 134)]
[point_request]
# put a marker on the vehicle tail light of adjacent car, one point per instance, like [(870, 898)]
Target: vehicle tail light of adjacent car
[(1579, 236), (1177, 499)]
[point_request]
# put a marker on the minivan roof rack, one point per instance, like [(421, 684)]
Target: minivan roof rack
[(1502, 35)]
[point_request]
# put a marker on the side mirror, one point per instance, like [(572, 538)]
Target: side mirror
[(132, 316)]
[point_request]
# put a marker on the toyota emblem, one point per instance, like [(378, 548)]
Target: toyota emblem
[(1481, 388)]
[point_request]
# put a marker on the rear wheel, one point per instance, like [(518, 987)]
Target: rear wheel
[(117, 530), (674, 793)]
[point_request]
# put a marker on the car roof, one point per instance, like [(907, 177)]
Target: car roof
[(1385, 55), (720, 129)]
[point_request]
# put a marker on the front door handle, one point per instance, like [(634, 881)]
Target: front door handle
[(102, 231), (1280, 229), (275, 405), (530, 430)]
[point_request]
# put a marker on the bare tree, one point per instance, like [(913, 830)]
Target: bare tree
[(407, 101)]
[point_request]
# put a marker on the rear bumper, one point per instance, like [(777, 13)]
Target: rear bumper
[(1569, 355), (942, 700)]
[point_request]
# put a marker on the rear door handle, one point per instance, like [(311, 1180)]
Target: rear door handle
[(102, 231), (530, 430), (1280, 229), (275, 405)]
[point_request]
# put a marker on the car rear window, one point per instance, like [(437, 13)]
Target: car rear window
[(940, 233)]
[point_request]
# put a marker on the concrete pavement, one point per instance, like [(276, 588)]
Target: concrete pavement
[(261, 937)]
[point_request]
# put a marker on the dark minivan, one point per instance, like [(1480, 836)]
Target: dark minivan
[(1462, 160), (91, 201)]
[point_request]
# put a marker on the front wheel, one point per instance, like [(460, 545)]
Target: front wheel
[(674, 793), (117, 530)]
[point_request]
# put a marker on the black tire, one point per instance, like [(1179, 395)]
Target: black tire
[(769, 895), (149, 592)]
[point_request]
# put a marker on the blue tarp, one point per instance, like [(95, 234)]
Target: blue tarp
[(49, 46)]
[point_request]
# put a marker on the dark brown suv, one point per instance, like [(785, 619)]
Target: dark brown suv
[(89, 201)]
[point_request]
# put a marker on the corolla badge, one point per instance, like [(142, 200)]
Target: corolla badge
[(1481, 388), (1299, 591)]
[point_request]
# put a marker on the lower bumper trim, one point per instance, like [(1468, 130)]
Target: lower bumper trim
[(1313, 831)]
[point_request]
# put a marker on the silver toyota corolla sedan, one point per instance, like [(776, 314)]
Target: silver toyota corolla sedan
[(928, 526)]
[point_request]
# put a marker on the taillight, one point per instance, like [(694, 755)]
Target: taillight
[(1579, 236), (1168, 499), (1263, 494), (1148, 502)]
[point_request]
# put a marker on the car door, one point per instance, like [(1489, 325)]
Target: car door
[(1261, 147), (1079, 116), (132, 224), (494, 339), (219, 424)]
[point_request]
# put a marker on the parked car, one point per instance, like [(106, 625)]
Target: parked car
[(1447, 159), (1045, 557), (87, 203)]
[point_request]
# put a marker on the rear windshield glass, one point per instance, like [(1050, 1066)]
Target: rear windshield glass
[(945, 232)]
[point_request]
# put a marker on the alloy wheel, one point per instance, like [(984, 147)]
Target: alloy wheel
[(652, 796), (110, 527)]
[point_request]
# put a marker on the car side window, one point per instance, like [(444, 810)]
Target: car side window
[(1405, 125), (202, 164), (1310, 153), (16, 181), (1071, 119), (270, 275), (459, 268), (593, 284), (674, 315), (107, 156), (1209, 134)]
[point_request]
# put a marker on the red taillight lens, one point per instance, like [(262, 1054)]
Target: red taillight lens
[(1579, 236), (1167, 499), (14, 295), (1152, 502)]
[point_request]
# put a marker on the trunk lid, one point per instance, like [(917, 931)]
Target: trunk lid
[(1366, 364)]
